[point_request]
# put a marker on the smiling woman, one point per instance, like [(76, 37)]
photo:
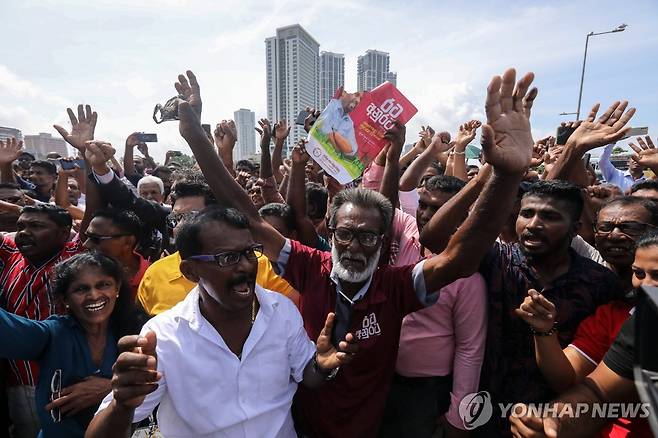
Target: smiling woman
[(75, 352)]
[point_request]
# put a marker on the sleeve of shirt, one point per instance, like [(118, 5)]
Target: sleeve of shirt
[(470, 325), (619, 357), (591, 336), (409, 201), (610, 173), (584, 249), (300, 347), (372, 176), (22, 338), (301, 264), (143, 292), (7, 247), (426, 298)]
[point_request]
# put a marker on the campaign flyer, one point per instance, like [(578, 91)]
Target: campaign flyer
[(349, 133)]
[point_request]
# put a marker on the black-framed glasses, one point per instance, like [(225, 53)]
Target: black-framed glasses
[(345, 236), (175, 218), (629, 228), (55, 393), (229, 258), (98, 238)]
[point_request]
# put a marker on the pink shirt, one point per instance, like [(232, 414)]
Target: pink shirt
[(372, 179), (448, 337)]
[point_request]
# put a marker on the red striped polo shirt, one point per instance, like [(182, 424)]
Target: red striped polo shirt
[(25, 291)]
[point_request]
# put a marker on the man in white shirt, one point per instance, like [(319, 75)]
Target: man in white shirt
[(228, 358)]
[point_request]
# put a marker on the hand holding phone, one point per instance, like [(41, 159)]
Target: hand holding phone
[(147, 138)]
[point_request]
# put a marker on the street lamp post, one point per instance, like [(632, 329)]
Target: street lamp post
[(619, 28)]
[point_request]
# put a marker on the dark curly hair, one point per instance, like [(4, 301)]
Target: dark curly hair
[(124, 319)]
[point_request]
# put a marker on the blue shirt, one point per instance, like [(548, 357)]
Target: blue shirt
[(335, 119), (612, 175), (58, 342)]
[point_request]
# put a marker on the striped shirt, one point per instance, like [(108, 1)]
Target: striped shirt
[(25, 291)]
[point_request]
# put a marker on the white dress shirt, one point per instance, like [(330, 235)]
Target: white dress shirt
[(206, 391)]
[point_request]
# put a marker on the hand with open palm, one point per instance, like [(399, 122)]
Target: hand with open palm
[(609, 128), (82, 127), (506, 137)]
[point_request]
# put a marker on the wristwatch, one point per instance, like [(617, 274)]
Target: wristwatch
[(329, 374)]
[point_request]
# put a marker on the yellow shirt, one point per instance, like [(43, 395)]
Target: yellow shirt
[(163, 285)]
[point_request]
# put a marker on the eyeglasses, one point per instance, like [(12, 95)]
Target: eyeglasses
[(630, 228), (175, 218), (345, 236), (97, 238), (55, 393), (229, 258)]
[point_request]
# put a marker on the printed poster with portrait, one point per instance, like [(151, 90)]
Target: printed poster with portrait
[(349, 133)]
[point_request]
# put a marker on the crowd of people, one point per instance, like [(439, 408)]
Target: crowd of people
[(267, 300)]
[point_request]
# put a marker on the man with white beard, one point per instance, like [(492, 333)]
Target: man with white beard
[(369, 300)]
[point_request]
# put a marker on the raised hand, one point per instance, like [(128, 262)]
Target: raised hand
[(441, 142), (426, 133), (327, 356), (313, 115), (506, 137), (646, 154), (609, 128), (98, 153), (135, 371), (10, 150), (189, 111), (396, 136), (466, 134), (537, 311), (190, 91), (82, 127), (143, 148), (265, 132), (299, 155), (281, 129), (226, 134), (540, 149)]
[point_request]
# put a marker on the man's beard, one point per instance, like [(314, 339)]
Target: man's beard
[(349, 275)]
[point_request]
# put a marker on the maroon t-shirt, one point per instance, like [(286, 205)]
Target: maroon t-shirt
[(352, 404)]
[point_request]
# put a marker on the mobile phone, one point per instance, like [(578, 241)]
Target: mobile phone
[(563, 134), (303, 114), (68, 164), (206, 128), (147, 138), (586, 158)]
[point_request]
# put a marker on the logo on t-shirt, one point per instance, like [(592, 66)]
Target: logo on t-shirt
[(369, 327)]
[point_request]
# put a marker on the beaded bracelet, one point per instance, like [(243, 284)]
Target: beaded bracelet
[(552, 331)]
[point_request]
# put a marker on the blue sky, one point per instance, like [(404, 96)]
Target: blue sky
[(123, 56)]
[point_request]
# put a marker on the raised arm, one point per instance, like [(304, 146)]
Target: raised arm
[(437, 232), (10, 149), (507, 146), (297, 196), (391, 180), (281, 132), (226, 190), (226, 136), (265, 132), (465, 135), (128, 155), (62, 193), (646, 154), (591, 134), (411, 177), (426, 133)]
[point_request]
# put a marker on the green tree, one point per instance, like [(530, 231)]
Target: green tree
[(618, 150)]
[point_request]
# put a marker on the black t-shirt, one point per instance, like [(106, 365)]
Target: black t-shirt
[(619, 357)]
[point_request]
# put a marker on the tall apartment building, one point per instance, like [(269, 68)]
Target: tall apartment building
[(373, 69), (292, 60), (43, 143), (245, 122), (392, 77), (332, 75)]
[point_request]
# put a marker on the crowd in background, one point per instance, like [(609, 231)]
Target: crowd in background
[(267, 300)]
